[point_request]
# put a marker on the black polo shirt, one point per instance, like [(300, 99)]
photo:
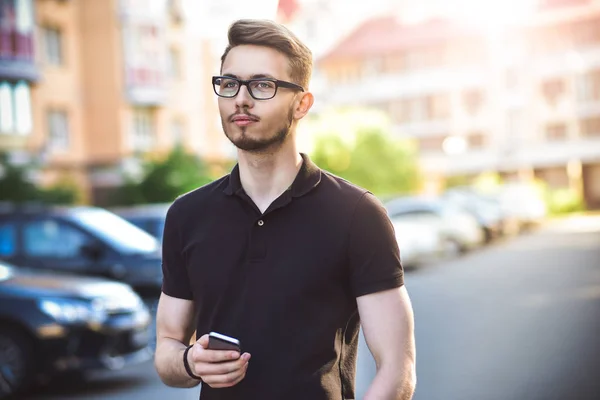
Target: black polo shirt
[(284, 282)]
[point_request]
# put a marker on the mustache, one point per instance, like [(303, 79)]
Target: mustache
[(247, 115)]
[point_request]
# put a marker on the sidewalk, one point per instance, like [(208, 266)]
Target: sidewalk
[(579, 222)]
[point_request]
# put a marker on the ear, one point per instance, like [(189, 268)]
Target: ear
[(303, 105)]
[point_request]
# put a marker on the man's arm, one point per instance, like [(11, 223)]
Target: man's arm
[(174, 329), (388, 325)]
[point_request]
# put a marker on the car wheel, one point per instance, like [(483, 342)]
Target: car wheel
[(15, 363)]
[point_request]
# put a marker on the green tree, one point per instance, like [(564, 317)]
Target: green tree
[(357, 145), (17, 186), (164, 180)]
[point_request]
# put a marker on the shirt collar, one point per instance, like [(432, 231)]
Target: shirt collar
[(307, 179)]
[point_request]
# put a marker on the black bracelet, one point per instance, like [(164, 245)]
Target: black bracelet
[(187, 365)]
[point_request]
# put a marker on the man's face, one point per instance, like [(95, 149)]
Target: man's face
[(250, 124)]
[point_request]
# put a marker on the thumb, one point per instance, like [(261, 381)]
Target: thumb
[(203, 341)]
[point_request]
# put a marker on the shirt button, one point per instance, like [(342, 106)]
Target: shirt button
[(261, 222)]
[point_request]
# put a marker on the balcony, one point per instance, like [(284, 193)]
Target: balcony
[(422, 128), (12, 142), (16, 70), (17, 39)]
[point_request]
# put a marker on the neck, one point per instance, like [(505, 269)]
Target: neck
[(265, 176)]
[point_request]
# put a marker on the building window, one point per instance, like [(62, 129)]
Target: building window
[(372, 67), (53, 50), (553, 89), (15, 108), (426, 108), (425, 58), (175, 67), (58, 129), (556, 132), (588, 87), (143, 129), (177, 131), (476, 140), (590, 127), (473, 101), (431, 144), (512, 78), (7, 113)]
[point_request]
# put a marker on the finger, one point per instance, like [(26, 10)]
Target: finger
[(201, 354), (227, 380), (203, 341), (221, 368), (242, 376)]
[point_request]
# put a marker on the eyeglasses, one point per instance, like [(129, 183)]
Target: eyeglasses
[(259, 89)]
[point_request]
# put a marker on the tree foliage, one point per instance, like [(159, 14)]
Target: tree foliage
[(17, 186), (165, 179), (357, 145)]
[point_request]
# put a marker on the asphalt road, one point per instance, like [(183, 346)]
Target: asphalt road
[(516, 320)]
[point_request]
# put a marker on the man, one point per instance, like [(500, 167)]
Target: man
[(279, 254)]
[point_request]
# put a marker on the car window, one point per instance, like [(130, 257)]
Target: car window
[(160, 229), (116, 231), (8, 237), (52, 238)]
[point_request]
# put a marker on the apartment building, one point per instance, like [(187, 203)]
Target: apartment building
[(524, 101), (90, 87)]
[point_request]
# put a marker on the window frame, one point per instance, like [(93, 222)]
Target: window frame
[(58, 59)]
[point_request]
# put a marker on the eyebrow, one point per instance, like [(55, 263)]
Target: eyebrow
[(255, 76)]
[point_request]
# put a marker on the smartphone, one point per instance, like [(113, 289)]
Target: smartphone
[(217, 341)]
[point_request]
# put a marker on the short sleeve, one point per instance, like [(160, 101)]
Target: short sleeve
[(374, 257), (176, 282)]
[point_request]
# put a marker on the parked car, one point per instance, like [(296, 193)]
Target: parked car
[(419, 242), (523, 202), (488, 213), (149, 217), (458, 228), (79, 240), (54, 324)]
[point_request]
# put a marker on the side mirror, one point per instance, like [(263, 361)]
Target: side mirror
[(92, 250)]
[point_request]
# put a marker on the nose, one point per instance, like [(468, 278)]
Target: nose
[(243, 98)]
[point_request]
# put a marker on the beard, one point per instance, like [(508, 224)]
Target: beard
[(245, 142)]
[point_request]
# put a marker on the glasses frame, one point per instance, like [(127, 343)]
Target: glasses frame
[(241, 82)]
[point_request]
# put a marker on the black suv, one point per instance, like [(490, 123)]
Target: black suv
[(79, 240), (53, 324)]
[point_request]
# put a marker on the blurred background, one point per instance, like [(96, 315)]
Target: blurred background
[(477, 123)]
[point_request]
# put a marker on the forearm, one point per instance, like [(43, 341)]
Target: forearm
[(168, 361), (393, 383)]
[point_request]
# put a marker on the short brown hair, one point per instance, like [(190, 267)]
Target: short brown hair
[(267, 33)]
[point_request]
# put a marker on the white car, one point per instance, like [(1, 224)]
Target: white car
[(457, 227), (418, 242)]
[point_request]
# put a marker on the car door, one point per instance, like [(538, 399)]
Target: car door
[(52, 244)]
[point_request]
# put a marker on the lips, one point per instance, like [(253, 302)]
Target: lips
[(243, 120)]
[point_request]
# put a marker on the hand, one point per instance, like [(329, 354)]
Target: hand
[(217, 368)]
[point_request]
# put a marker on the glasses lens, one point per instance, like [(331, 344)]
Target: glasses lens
[(226, 87), (263, 89)]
